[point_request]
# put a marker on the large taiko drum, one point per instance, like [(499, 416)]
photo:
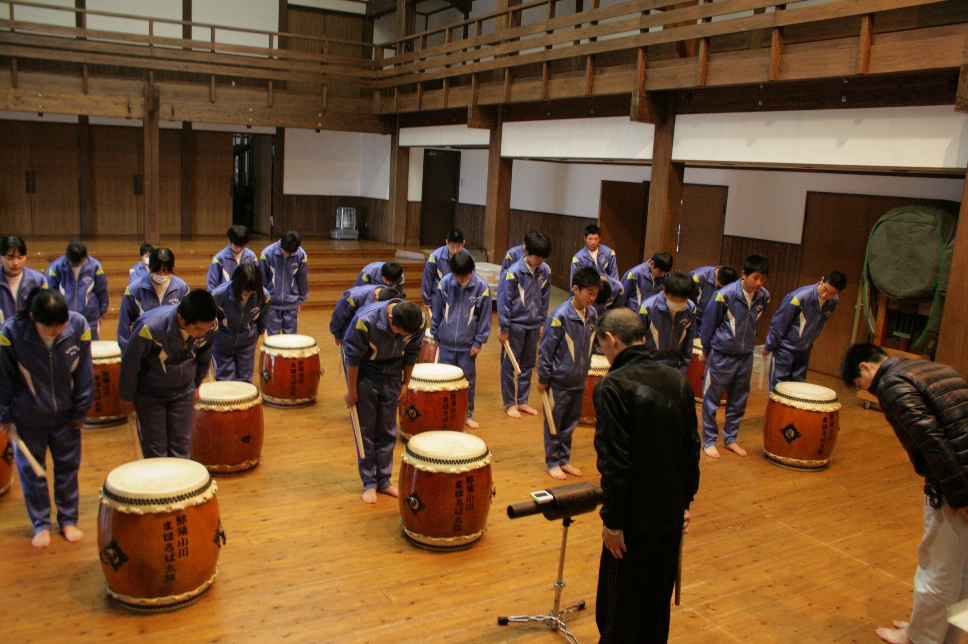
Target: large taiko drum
[(596, 372), (445, 490), (290, 370), (159, 533), (107, 407), (6, 463), (428, 351), (228, 432), (801, 425), (697, 370), (436, 400)]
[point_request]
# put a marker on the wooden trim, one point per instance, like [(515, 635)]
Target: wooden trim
[(84, 175), (703, 63), (776, 51), (961, 95), (152, 170), (589, 75), (864, 43), (952, 340), (187, 178)]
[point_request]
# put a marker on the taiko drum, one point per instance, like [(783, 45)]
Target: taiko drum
[(290, 370), (428, 351), (801, 425), (107, 407), (229, 428), (696, 371), (159, 533), (596, 372), (6, 463), (436, 400), (445, 490)]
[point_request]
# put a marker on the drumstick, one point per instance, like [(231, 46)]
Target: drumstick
[(135, 435), (514, 361), (34, 465), (357, 434), (679, 572), (764, 367), (548, 406)]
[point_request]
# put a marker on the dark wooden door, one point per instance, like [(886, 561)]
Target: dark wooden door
[(622, 211), (117, 190), (55, 202), (701, 225), (438, 206)]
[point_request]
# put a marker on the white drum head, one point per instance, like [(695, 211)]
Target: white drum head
[(105, 351), (806, 392), (433, 376), (287, 341), (446, 452), (227, 393), (599, 366), (157, 478)]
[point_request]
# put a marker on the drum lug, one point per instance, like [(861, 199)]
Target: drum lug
[(493, 491), (219, 535), (112, 555)]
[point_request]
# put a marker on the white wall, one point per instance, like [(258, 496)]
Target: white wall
[(47, 16), (566, 188), (375, 166), (345, 6), (248, 14), (602, 138), (473, 177), (322, 163), (167, 9), (443, 136)]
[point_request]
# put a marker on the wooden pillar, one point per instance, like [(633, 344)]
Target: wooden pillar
[(399, 188), (187, 179), (152, 183), (497, 211), (665, 188), (84, 175), (279, 218), (953, 341)]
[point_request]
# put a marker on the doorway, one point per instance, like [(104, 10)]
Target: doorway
[(622, 211), (438, 206), (243, 180)]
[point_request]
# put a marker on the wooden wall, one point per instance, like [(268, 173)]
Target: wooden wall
[(316, 215), (564, 232), (470, 219), (318, 22), (213, 167)]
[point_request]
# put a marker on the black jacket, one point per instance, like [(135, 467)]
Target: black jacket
[(648, 444)]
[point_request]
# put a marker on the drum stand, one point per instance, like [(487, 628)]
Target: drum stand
[(554, 618)]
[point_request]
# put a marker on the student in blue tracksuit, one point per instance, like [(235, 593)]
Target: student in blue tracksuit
[(243, 311), (438, 265), (16, 280), (352, 301), (380, 349), (231, 257), (645, 280), (46, 388), (797, 324), (285, 268), (386, 273), (461, 321), (595, 254), (523, 296), (164, 363), (728, 335), (158, 288), (140, 269), (611, 295), (82, 282), (669, 317), (515, 253), (708, 280), (563, 361)]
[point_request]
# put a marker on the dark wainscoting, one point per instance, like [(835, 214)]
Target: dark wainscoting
[(470, 219), (564, 232), (413, 223), (316, 215), (784, 270)]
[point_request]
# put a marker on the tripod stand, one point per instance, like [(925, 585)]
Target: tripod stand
[(554, 618)]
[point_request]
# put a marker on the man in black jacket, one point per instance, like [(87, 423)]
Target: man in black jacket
[(926, 403), (648, 454)]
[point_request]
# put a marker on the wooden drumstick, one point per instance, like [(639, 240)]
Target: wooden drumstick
[(548, 406), (679, 572), (34, 465), (135, 435), (514, 361), (357, 433), (764, 367)]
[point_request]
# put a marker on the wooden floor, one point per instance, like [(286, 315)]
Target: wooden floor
[(773, 555)]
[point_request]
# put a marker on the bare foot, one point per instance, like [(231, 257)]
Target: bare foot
[(571, 469), (711, 451), (390, 490), (528, 409), (513, 412), (473, 424), (556, 473), (72, 533), (893, 635), (369, 495), (899, 624), (736, 449), (42, 539)]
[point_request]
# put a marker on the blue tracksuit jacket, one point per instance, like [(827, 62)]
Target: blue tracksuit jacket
[(438, 265), (523, 298), (371, 345), (799, 320), (371, 275), (461, 316), (606, 265), (668, 340), (352, 301), (565, 351), (141, 297), (8, 304), (88, 294), (137, 271), (286, 278), (640, 286), (704, 279), (514, 254), (729, 323), (224, 264)]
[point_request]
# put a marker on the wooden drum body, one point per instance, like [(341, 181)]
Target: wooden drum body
[(445, 490), (6, 463), (596, 372), (107, 407), (696, 371), (436, 400), (801, 425), (229, 428), (159, 533), (428, 351), (290, 370)]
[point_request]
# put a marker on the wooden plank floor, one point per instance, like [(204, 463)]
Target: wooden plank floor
[(773, 555)]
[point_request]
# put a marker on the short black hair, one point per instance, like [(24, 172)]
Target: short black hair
[(239, 235), (662, 260), (462, 264), (592, 229), (391, 271), (385, 293), (407, 317), (726, 275), (291, 241), (757, 263), (13, 242), (604, 291), (47, 306), (145, 248), (836, 279), (856, 354), (585, 277), (537, 244), (76, 251), (455, 236), (198, 306), (678, 284), (161, 258), (623, 323), (248, 277)]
